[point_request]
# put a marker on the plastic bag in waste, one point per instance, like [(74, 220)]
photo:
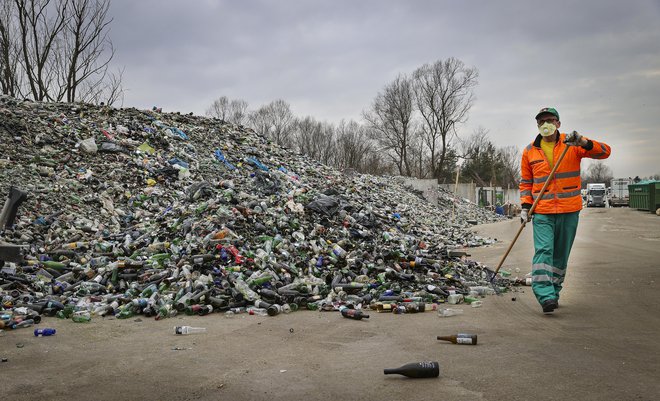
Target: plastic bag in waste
[(199, 190), (109, 147), (89, 146), (328, 205)]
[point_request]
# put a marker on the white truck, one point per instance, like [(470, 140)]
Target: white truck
[(596, 195), (619, 191)]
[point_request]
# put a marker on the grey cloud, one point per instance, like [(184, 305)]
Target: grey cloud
[(595, 61)]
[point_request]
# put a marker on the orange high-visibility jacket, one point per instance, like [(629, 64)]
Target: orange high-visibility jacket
[(563, 193)]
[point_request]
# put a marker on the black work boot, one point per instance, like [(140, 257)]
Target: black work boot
[(549, 305)]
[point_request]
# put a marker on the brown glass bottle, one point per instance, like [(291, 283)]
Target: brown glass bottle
[(461, 338), (383, 307)]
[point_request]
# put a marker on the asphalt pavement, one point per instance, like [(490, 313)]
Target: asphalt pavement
[(601, 344)]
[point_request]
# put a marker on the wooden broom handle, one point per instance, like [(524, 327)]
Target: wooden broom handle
[(531, 210)]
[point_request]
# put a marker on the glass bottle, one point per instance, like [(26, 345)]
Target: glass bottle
[(184, 330), (461, 338), (82, 316), (416, 370)]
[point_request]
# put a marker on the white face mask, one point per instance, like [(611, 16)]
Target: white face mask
[(547, 129)]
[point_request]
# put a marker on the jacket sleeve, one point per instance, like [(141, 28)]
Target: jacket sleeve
[(595, 150), (526, 181)]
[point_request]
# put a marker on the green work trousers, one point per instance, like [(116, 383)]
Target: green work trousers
[(553, 239)]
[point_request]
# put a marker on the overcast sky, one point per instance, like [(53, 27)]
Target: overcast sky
[(597, 62)]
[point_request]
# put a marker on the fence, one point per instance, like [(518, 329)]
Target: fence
[(483, 196)]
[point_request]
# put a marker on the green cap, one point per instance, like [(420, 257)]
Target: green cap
[(550, 110)]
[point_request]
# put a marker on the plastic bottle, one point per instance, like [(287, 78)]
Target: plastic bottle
[(447, 312), (455, 299), (184, 330), (44, 332), (257, 311), (21, 324), (245, 289)]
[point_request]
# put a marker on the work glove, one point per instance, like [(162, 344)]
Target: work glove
[(575, 139), (525, 217)]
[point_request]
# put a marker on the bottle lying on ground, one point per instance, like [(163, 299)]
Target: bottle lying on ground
[(416, 370), (461, 338), (183, 330), (352, 313)]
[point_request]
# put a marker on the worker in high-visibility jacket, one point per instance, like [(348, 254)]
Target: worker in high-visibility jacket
[(556, 214)]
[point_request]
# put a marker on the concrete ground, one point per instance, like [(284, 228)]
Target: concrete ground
[(602, 344)]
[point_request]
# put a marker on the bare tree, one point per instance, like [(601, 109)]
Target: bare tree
[(327, 144), (598, 172), (38, 33), (275, 121), (9, 51), (307, 135), (509, 175), (353, 146), (238, 111), (443, 96), (219, 108), (391, 118), (483, 160), (58, 50), (376, 165), (233, 111), (85, 50)]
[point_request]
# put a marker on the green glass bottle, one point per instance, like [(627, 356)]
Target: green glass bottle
[(468, 299), (65, 313), (148, 291), (81, 317), (51, 264), (125, 313), (260, 280)]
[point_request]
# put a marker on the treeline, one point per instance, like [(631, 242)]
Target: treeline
[(409, 129)]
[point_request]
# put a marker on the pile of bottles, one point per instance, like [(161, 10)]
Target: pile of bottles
[(131, 222)]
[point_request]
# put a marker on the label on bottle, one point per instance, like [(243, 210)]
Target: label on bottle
[(429, 365), (463, 340)]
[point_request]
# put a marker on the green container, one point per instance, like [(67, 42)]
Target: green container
[(645, 195), (655, 198)]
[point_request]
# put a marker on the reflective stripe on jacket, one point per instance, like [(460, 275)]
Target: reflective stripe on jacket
[(563, 192)]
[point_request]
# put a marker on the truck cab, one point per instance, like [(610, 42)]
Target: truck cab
[(596, 195)]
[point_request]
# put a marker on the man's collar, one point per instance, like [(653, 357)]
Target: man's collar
[(539, 138)]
